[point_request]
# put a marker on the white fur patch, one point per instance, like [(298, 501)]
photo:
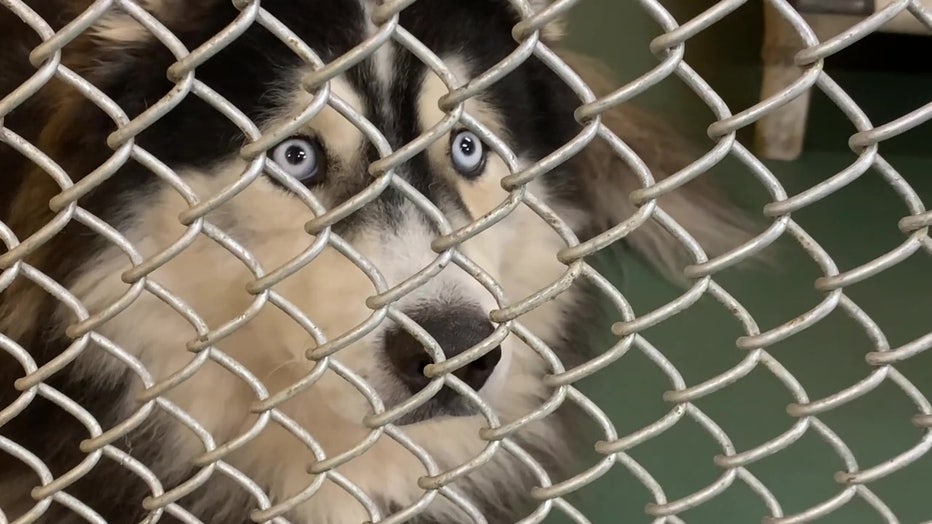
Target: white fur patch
[(384, 57), (120, 28)]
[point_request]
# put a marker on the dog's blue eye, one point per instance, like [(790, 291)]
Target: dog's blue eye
[(467, 153), (298, 156)]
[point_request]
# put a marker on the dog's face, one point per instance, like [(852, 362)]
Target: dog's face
[(294, 293), (325, 277)]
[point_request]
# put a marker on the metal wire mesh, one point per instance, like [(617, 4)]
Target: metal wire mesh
[(613, 447)]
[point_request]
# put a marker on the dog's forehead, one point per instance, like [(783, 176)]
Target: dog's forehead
[(475, 35), (439, 24)]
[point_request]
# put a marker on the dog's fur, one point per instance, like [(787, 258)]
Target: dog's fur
[(531, 109)]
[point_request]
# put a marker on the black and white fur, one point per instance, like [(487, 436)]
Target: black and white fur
[(531, 108)]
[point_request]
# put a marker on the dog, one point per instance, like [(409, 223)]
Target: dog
[(165, 329)]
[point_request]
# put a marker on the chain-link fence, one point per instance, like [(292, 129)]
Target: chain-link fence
[(615, 450)]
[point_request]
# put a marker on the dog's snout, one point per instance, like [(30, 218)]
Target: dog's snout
[(456, 331)]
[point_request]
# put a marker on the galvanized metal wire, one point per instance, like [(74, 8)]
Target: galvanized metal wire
[(613, 447)]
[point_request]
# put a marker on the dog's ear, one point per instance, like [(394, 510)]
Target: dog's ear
[(114, 50), (117, 28), (120, 57), (605, 182), (554, 30)]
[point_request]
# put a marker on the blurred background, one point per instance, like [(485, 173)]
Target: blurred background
[(888, 76)]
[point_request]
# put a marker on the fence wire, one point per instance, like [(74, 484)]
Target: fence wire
[(613, 448)]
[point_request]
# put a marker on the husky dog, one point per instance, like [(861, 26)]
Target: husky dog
[(212, 392)]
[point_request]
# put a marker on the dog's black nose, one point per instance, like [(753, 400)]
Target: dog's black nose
[(455, 331)]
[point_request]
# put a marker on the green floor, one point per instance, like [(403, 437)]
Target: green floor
[(825, 358)]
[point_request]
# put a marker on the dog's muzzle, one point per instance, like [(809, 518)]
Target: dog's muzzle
[(455, 330)]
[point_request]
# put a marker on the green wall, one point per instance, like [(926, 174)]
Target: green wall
[(826, 358)]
